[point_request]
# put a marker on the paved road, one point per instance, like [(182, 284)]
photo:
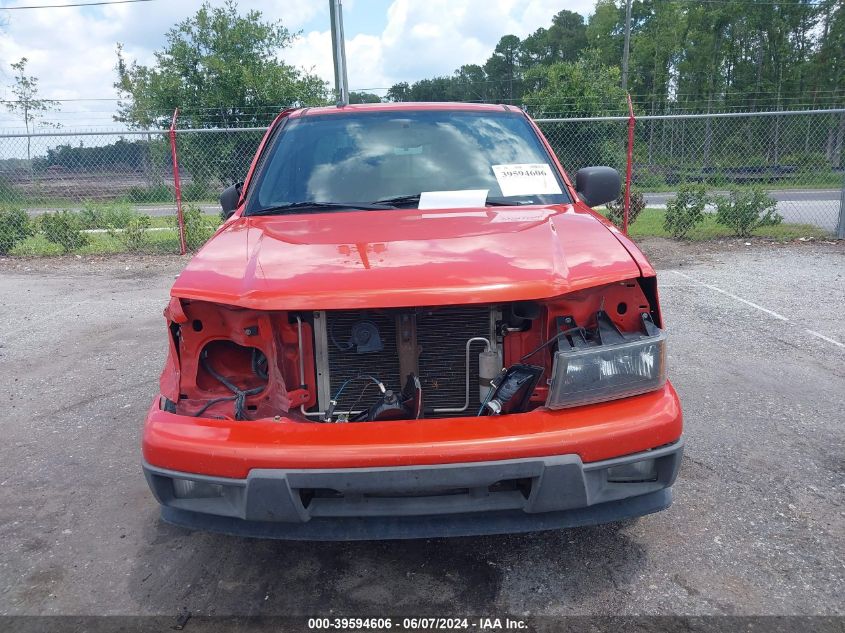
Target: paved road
[(757, 526), (781, 195)]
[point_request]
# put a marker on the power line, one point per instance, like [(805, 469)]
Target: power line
[(65, 100), (751, 3), (77, 4)]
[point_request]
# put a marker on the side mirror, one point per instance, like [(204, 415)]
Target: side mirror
[(598, 185), (230, 198)]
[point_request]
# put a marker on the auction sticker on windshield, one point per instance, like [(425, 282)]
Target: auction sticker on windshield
[(526, 179)]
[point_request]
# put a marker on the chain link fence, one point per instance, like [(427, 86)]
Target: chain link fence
[(774, 174), (113, 192), (694, 176)]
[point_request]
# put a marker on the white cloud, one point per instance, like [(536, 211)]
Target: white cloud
[(423, 39), (72, 51)]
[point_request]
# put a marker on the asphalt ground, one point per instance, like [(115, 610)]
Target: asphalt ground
[(757, 527)]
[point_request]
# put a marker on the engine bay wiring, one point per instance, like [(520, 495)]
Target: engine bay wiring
[(240, 395)]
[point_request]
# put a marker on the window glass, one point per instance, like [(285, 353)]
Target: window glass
[(370, 156)]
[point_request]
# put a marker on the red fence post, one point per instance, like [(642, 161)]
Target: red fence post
[(183, 247), (631, 122)]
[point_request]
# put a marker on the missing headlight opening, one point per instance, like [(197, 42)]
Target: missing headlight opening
[(231, 360), (376, 365)]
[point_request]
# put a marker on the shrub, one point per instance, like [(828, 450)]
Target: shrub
[(616, 209), (685, 210), (118, 215), (134, 236), (744, 210), (106, 215), (63, 228), (91, 216), (153, 193), (198, 228), (14, 227)]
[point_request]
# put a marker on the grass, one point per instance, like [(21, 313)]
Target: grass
[(160, 242), (169, 221), (650, 224), (102, 243)]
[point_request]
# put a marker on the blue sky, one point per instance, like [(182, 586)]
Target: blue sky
[(72, 50), (359, 17)]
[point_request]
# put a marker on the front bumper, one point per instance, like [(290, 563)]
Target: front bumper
[(517, 495), (226, 448)]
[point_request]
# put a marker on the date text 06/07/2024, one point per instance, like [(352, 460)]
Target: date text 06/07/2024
[(418, 623)]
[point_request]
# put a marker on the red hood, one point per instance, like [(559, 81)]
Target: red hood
[(366, 259)]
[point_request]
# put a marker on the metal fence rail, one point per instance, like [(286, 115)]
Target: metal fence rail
[(105, 192)]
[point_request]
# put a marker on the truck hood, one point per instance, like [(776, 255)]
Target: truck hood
[(396, 258)]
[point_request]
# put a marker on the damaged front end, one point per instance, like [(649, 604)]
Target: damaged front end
[(375, 365)]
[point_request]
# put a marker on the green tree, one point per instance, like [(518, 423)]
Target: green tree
[(604, 32), (585, 87), (659, 30), (582, 88), (562, 42), (827, 73), (470, 82), (221, 69), (503, 72), (27, 103), (694, 56), (434, 89), (363, 97), (399, 92)]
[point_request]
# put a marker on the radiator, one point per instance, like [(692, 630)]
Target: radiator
[(442, 333)]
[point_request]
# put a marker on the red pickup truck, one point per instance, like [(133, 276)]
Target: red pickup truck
[(412, 324)]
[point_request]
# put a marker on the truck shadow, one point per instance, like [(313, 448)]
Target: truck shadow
[(210, 574)]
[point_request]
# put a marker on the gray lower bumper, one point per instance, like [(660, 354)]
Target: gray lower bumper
[(417, 501)]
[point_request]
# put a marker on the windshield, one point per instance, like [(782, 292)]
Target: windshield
[(392, 157)]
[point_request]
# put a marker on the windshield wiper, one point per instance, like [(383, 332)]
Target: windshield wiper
[(311, 205), (410, 199), (397, 200), (503, 202)]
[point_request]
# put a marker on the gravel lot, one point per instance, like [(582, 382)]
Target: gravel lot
[(758, 524)]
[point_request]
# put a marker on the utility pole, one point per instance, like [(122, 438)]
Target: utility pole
[(341, 82), (627, 44)]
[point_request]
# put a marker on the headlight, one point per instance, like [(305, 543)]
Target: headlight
[(607, 372)]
